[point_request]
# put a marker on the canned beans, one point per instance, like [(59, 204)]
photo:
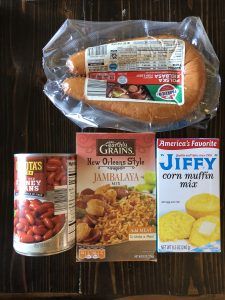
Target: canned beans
[(44, 203), (35, 221)]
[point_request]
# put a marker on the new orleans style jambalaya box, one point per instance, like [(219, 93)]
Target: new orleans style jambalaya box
[(115, 202)]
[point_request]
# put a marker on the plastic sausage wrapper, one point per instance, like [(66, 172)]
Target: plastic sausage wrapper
[(133, 75)]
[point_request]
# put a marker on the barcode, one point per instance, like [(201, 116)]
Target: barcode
[(97, 50), (96, 87), (113, 54), (60, 200)]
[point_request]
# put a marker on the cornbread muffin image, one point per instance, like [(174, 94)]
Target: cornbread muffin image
[(175, 225), (205, 230), (202, 205)]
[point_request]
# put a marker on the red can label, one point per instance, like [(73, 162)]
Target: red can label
[(44, 203)]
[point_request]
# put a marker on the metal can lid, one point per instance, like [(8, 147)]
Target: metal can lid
[(44, 154)]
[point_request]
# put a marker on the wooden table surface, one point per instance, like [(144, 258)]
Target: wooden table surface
[(30, 123)]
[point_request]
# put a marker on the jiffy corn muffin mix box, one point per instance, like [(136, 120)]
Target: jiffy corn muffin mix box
[(188, 195), (115, 202)]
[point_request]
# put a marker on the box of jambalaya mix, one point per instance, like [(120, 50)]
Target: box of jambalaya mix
[(115, 201), (188, 195)]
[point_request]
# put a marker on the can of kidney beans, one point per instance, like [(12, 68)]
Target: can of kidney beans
[(44, 203)]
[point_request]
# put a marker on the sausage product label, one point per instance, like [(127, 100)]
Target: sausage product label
[(188, 195), (44, 203), (150, 71), (115, 203)]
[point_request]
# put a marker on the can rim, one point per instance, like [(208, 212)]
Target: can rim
[(45, 254)]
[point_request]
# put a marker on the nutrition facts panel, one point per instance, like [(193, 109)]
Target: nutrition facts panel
[(151, 54)]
